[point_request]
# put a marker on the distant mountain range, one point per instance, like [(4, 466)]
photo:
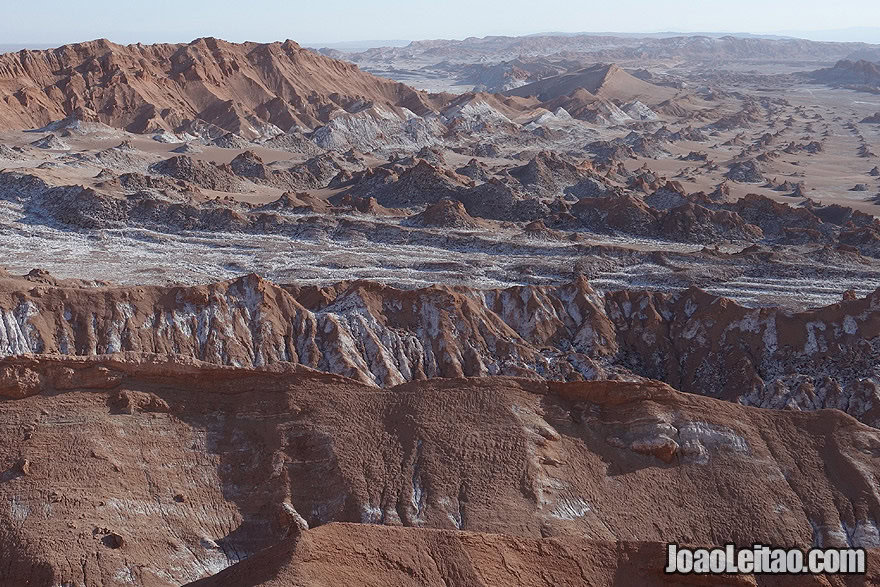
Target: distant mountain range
[(663, 35), (358, 45), (853, 34), (868, 35), (595, 47)]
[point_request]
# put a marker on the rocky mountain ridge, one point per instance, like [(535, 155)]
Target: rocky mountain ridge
[(265, 458), (253, 90), (382, 336)]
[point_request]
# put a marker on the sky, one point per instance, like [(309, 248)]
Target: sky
[(53, 22)]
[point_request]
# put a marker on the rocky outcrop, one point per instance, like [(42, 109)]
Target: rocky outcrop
[(399, 186), (745, 172), (206, 175), (444, 214), (857, 75), (548, 173), (12, 153), (476, 170), (446, 557), (780, 221), (606, 81), (442, 557), (314, 173), (610, 151), (51, 142), (148, 471), (171, 199), (382, 336), (677, 218)]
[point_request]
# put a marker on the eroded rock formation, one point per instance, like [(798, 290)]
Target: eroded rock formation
[(383, 336), (152, 470)]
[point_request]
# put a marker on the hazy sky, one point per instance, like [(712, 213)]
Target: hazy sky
[(311, 22)]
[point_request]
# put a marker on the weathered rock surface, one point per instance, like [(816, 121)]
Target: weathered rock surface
[(149, 472), (444, 214), (379, 335), (380, 555), (249, 89)]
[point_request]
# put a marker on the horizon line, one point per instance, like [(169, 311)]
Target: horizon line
[(375, 43)]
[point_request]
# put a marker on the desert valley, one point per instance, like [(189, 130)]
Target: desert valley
[(492, 311)]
